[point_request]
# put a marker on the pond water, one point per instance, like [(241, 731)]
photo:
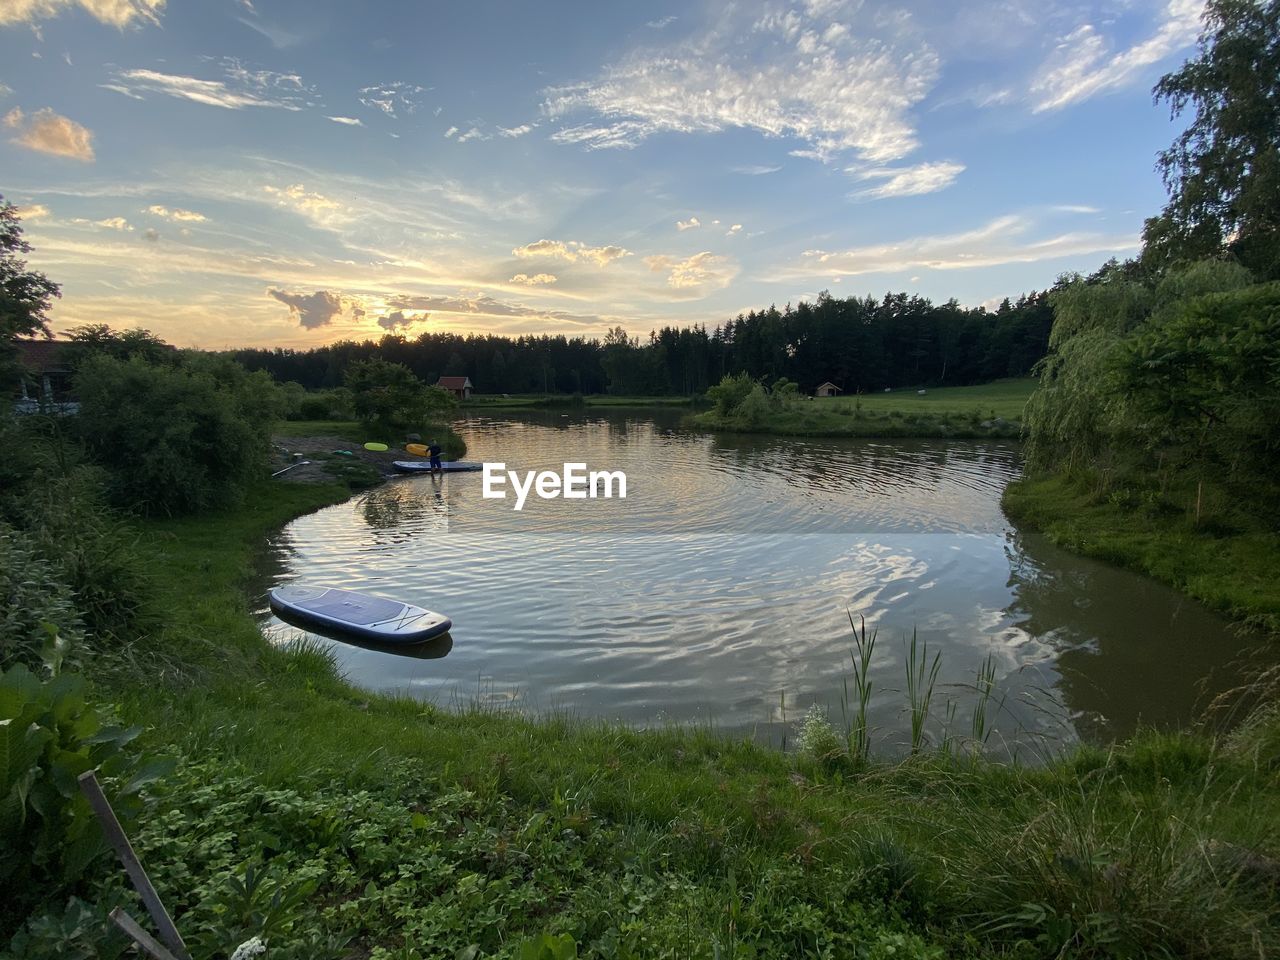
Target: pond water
[(720, 590)]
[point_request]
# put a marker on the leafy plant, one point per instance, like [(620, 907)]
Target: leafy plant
[(49, 736)]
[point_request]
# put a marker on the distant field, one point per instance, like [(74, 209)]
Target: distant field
[(1003, 398)]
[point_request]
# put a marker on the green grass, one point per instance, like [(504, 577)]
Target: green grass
[(955, 412), (1229, 561), (425, 830)]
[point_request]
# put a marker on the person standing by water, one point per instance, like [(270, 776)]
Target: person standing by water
[(433, 448)]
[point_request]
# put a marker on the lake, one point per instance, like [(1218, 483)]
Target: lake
[(719, 591)]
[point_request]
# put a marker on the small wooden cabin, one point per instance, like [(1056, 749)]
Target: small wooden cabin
[(827, 389), (460, 387)]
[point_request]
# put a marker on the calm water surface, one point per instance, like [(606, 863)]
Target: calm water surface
[(720, 590)]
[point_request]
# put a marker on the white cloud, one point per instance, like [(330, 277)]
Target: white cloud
[(736, 228), (1083, 65), (47, 132), (1074, 208), (660, 22), (241, 88), (314, 205), (690, 224), (481, 305), (787, 74), (450, 132), (348, 121), (318, 309), (33, 211), (757, 170), (512, 132), (537, 279), (907, 181), (1000, 241), (474, 133), (572, 251), (176, 213), (392, 97), (280, 39), (701, 270), (114, 223), (117, 13)]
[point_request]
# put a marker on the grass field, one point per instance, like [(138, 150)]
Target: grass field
[(391, 828), (954, 412)]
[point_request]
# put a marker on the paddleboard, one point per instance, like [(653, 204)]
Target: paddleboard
[(448, 466), (376, 447), (329, 610)]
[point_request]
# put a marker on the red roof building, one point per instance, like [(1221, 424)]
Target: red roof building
[(460, 387)]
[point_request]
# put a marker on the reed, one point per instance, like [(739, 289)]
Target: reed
[(922, 676), (858, 732)]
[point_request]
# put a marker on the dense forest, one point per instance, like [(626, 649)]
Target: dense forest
[(860, 344)]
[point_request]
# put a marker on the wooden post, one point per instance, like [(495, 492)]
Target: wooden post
[(134, 930), (132, 865)]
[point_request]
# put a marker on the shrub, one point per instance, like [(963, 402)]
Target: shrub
[(35, 604), (388, 395), (49, 736), (176, 438), (730, 392)]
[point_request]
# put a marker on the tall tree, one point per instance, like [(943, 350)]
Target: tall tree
[(1223, 171), (25, 295)]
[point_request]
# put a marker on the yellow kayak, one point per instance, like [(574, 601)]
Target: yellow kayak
[(417, 449)]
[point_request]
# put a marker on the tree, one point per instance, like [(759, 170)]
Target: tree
[(1223, 171), (25, 295), (387, 395)]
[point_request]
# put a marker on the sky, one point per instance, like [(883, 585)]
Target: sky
[(294, 172)]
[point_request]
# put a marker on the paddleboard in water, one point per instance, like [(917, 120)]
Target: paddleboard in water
[(448, 466), (329, 610), (376, 447), (417, 449)]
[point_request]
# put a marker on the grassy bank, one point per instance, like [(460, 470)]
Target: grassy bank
[(536, 401), (1227, 559), (987, 410), (390, 828)]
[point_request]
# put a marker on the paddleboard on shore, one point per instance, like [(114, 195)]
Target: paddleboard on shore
[(448, 466), (331, 611)]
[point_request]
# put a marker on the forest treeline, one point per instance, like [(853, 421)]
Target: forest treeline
[(859, 343)]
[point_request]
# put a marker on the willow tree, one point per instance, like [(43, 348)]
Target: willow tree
[(1223, 171)]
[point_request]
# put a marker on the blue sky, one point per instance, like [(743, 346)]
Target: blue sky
[(228, 172)]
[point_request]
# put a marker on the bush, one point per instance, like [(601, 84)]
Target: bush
[(49, 736), (35, 604), (388, 396), (176, 438), (730, 392)]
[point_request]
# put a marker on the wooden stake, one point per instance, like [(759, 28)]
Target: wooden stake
[(132, 865), (134, 930), (1199, 491)]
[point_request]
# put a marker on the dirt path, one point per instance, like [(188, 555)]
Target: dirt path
[(327, 465)]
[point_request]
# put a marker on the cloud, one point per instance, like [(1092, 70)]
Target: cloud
[(349, 121), (114, 223), (399, 319), (393, 98), (660, 22), (1002, 240), (908, 181), (117, 13), (1082, 65), (799, 73), (176, 213), (1074, 208), (280, 39), (756, 170), (690, 224), (700, 270), (241, 88), (47, 132), (473, 134), (450, 132), (736, 228), (151, 235), (571, 251), (512, 132), (319, 309), (32, 211), (316, 206), (483, 306), (537, 279)]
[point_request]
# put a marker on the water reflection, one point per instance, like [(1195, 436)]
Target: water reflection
[(724, 582)]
